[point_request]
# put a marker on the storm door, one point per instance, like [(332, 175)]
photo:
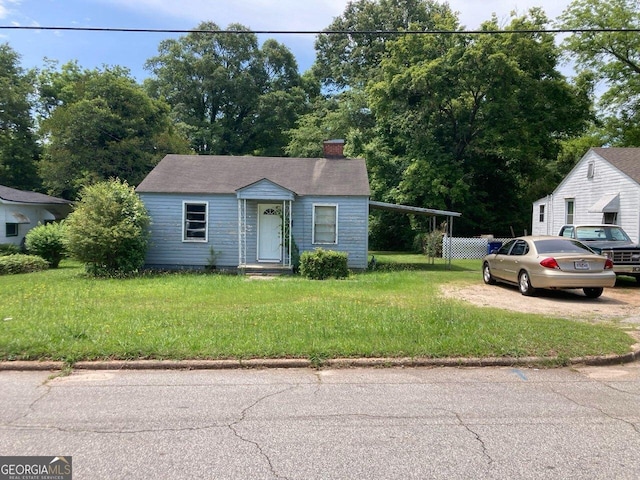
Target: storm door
[(269, 233)]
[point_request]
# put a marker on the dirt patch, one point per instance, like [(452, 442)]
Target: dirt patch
[(616, 304)]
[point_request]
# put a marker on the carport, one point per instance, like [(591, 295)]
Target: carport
[(427, 212)]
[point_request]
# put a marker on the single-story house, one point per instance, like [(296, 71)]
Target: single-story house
[(20, 211), (244, 213), (603, 187)]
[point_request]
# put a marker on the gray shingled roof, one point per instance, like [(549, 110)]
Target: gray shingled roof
[(627, 160), (226, 174), (22, 196)]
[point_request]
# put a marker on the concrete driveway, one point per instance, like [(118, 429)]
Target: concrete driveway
[(399, 423)]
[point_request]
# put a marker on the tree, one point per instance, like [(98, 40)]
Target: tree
[(19, 150), (349, 60), (234, 97), (611, 58), (472, 123), (108, 230), (100, 124)]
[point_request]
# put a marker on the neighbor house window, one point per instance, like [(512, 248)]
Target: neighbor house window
[(325, 224), (610, 218), (591, 169), (11, 230), (570, 207), (194, 221), (541, 213)]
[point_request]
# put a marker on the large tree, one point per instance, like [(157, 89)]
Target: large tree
[(611, 58), (19, 150), (100, 124), (348, 60), (233, 96), (473, 122)]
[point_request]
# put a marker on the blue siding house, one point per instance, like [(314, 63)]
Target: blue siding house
[(253, 211)]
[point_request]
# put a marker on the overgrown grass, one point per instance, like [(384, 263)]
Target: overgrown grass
[(393, 311)]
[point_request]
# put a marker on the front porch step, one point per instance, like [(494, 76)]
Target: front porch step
[(265, 269)]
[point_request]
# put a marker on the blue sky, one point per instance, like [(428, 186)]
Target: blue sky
[(131, 50)]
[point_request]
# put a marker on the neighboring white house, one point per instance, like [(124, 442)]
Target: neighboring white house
[(20, 211), (603, 187)]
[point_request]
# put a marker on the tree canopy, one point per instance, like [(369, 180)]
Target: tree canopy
[(610, 57), (100, 124), (19, 151), (233, 97)]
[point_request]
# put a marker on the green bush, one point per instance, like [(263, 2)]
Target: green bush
[(321, 264), (47, 241), (108, 231), (11, 264), (8, 249)]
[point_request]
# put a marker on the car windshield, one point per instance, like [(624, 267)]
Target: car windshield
[(561, 245), (601, 233)]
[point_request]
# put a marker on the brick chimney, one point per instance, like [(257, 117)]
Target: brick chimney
[(333, 149)]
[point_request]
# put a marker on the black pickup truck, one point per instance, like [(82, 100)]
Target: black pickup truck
[(609, 240)]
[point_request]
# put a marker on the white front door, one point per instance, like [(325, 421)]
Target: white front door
[(269, 233)]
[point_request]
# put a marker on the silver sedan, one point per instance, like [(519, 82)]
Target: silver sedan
[(534, 262)]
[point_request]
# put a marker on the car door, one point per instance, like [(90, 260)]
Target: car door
[(512, 263), (498, 264)]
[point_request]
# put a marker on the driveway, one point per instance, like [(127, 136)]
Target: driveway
[(619, 305)]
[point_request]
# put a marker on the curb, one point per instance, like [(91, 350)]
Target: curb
[(258, 363)]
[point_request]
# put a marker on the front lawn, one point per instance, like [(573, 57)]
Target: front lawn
[(391, 312)]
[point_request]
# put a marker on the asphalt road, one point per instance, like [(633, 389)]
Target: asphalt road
[(398, 423)]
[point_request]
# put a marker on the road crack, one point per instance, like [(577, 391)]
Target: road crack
[(606, 414), (243, 415), (483, 446)]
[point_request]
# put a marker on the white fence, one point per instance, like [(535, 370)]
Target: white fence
[(468, 248)]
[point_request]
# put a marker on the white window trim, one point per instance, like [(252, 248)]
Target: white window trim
[(17, 230), (184, 222), (572, 219), (313, 223)]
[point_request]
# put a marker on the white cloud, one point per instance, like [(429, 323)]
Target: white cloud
[(474, 12), (255, 14), (313, 14)]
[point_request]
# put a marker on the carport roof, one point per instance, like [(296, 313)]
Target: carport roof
[(429, 212)]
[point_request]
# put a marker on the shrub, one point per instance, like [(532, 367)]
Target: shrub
[(47, 241), (321, 264), (8, 249), (108, 230), (11, 264)]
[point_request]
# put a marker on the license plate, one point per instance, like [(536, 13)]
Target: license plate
[(581, 265)]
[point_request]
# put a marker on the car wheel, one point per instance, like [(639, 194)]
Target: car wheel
[(524, 284), (593, 292), (486, 275)]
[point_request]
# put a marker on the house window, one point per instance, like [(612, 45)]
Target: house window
[(610, 218), (570, 207), (541, 213), (591, 169), (11, 230), (194, 224), (325, 224)]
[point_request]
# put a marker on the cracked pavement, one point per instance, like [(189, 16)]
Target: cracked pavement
[(395, 423)]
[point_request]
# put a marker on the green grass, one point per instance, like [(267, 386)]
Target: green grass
[(391, 312)]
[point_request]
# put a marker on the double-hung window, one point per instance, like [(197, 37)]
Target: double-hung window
[(11, 230), (325, 224), (570, 207), (194, 221)]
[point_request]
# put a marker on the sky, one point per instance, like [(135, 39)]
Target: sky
[(131, 50)]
